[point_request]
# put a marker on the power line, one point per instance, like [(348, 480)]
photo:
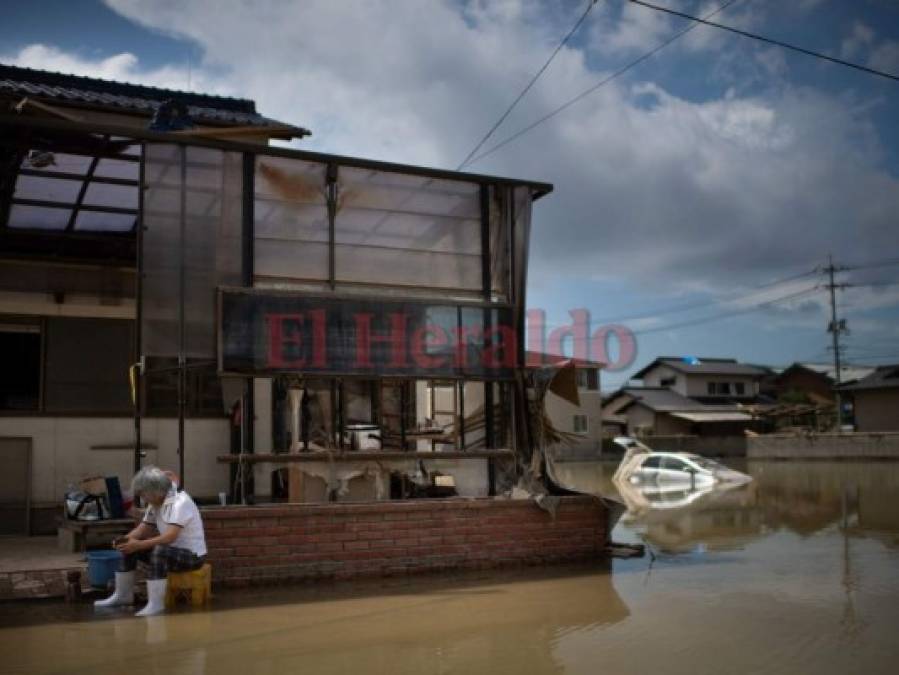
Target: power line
[(772, 41), (652, 314), (618, 73), (530, 84)]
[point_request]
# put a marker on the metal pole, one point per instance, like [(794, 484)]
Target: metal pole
[(138, 303), (182, 370), (835, 329)]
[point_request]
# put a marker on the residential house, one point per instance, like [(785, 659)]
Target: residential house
[(681, 396), (875, 399), (584, 420)]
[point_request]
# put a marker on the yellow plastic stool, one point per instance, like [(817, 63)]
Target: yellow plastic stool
[(197, 583)]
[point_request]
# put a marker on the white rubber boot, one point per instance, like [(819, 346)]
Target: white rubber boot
[(123, 593), (155, 597)]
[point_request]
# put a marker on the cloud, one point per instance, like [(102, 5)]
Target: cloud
[(886, 57), (858, 40), (669, 192)]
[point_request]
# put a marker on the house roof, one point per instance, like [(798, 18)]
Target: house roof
[(848, 373), (883, 377), (704, 366), (538, 359), (90, 92), (659, 399)]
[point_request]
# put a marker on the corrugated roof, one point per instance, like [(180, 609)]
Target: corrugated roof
[(704, 366), (884, 377), (703, 416), (133, 98)]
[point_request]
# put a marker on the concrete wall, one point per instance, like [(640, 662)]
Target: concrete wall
[(62, 451), (298, 542), (824, 446), (876, 409), (785, 446)]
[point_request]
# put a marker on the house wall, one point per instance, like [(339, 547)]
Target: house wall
[(876, 409), (661, 372), (64, 446), (698, 385), (561, 413), (298, 542)]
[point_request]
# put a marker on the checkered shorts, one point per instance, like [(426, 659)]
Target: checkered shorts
[(162, 560)]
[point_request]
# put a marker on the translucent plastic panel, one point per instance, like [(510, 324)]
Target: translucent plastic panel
[(193, 230), (500, 249), (103, 222), (366, 265), (105, 194), (47, 189), (291, 259), (117, 168), (291, 220), (402, 229), (58, 161), (38, 217)]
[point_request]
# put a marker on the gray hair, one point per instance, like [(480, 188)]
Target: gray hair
[(151, 480)]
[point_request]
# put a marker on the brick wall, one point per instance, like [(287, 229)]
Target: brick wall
[(297, 542)]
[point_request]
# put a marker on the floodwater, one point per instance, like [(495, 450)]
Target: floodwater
[(796, 572)]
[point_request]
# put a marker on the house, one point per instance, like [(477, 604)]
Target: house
[(875, 399), (582, 423), (660, 411), (175, 291), (812, 382), (707, 380), (688, 396)]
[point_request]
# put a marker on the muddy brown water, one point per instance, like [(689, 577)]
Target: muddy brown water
[(797, 572)]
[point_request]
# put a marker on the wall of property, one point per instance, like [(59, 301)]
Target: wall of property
[(561, 413), (876, 409), (298, 542), (785, 446), (64, 450)]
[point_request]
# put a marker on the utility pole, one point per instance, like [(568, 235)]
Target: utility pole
[(836, 327)]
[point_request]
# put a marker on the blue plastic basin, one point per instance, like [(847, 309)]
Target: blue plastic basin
[(102, 566)]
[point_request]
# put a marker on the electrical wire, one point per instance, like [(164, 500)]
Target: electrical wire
[(771, 41), (652, 314), (530, 84), (616, 74)]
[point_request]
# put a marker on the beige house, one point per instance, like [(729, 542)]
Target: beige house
[(585, 420), (686, 396), (875, 400)]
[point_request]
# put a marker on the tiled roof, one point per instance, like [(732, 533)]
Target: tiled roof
[(848, 373), (884, 377), (662, 399), (133, 98), (704, 366)]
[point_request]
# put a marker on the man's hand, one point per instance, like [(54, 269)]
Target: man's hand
[(130, 546)]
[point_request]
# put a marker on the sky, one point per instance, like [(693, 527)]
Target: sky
[(697, 196)]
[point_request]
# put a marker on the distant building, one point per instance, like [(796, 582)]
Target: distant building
[(811, 382), (660, 411), (711, 381), (583, 421), (875, 399)]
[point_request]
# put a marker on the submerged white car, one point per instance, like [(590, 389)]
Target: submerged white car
[(675, 470)]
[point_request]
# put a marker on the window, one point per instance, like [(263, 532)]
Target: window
[(20, 363), (668, 381), (581, 378), (87, 365), (739, 389), (719, 388), (592, 379), (652, 462), (673, 464), (580, 424)]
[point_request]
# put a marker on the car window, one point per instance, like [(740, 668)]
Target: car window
[(652, 462), (674, 464)]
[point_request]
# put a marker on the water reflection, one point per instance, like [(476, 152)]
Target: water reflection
[(801, 497)]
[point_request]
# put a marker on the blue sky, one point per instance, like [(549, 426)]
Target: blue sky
[(692, 183)]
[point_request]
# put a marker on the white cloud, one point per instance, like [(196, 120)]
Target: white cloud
[(859, 39), (886, 57), (666, 192)]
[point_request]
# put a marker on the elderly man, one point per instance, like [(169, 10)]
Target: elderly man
[(170, 538)]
